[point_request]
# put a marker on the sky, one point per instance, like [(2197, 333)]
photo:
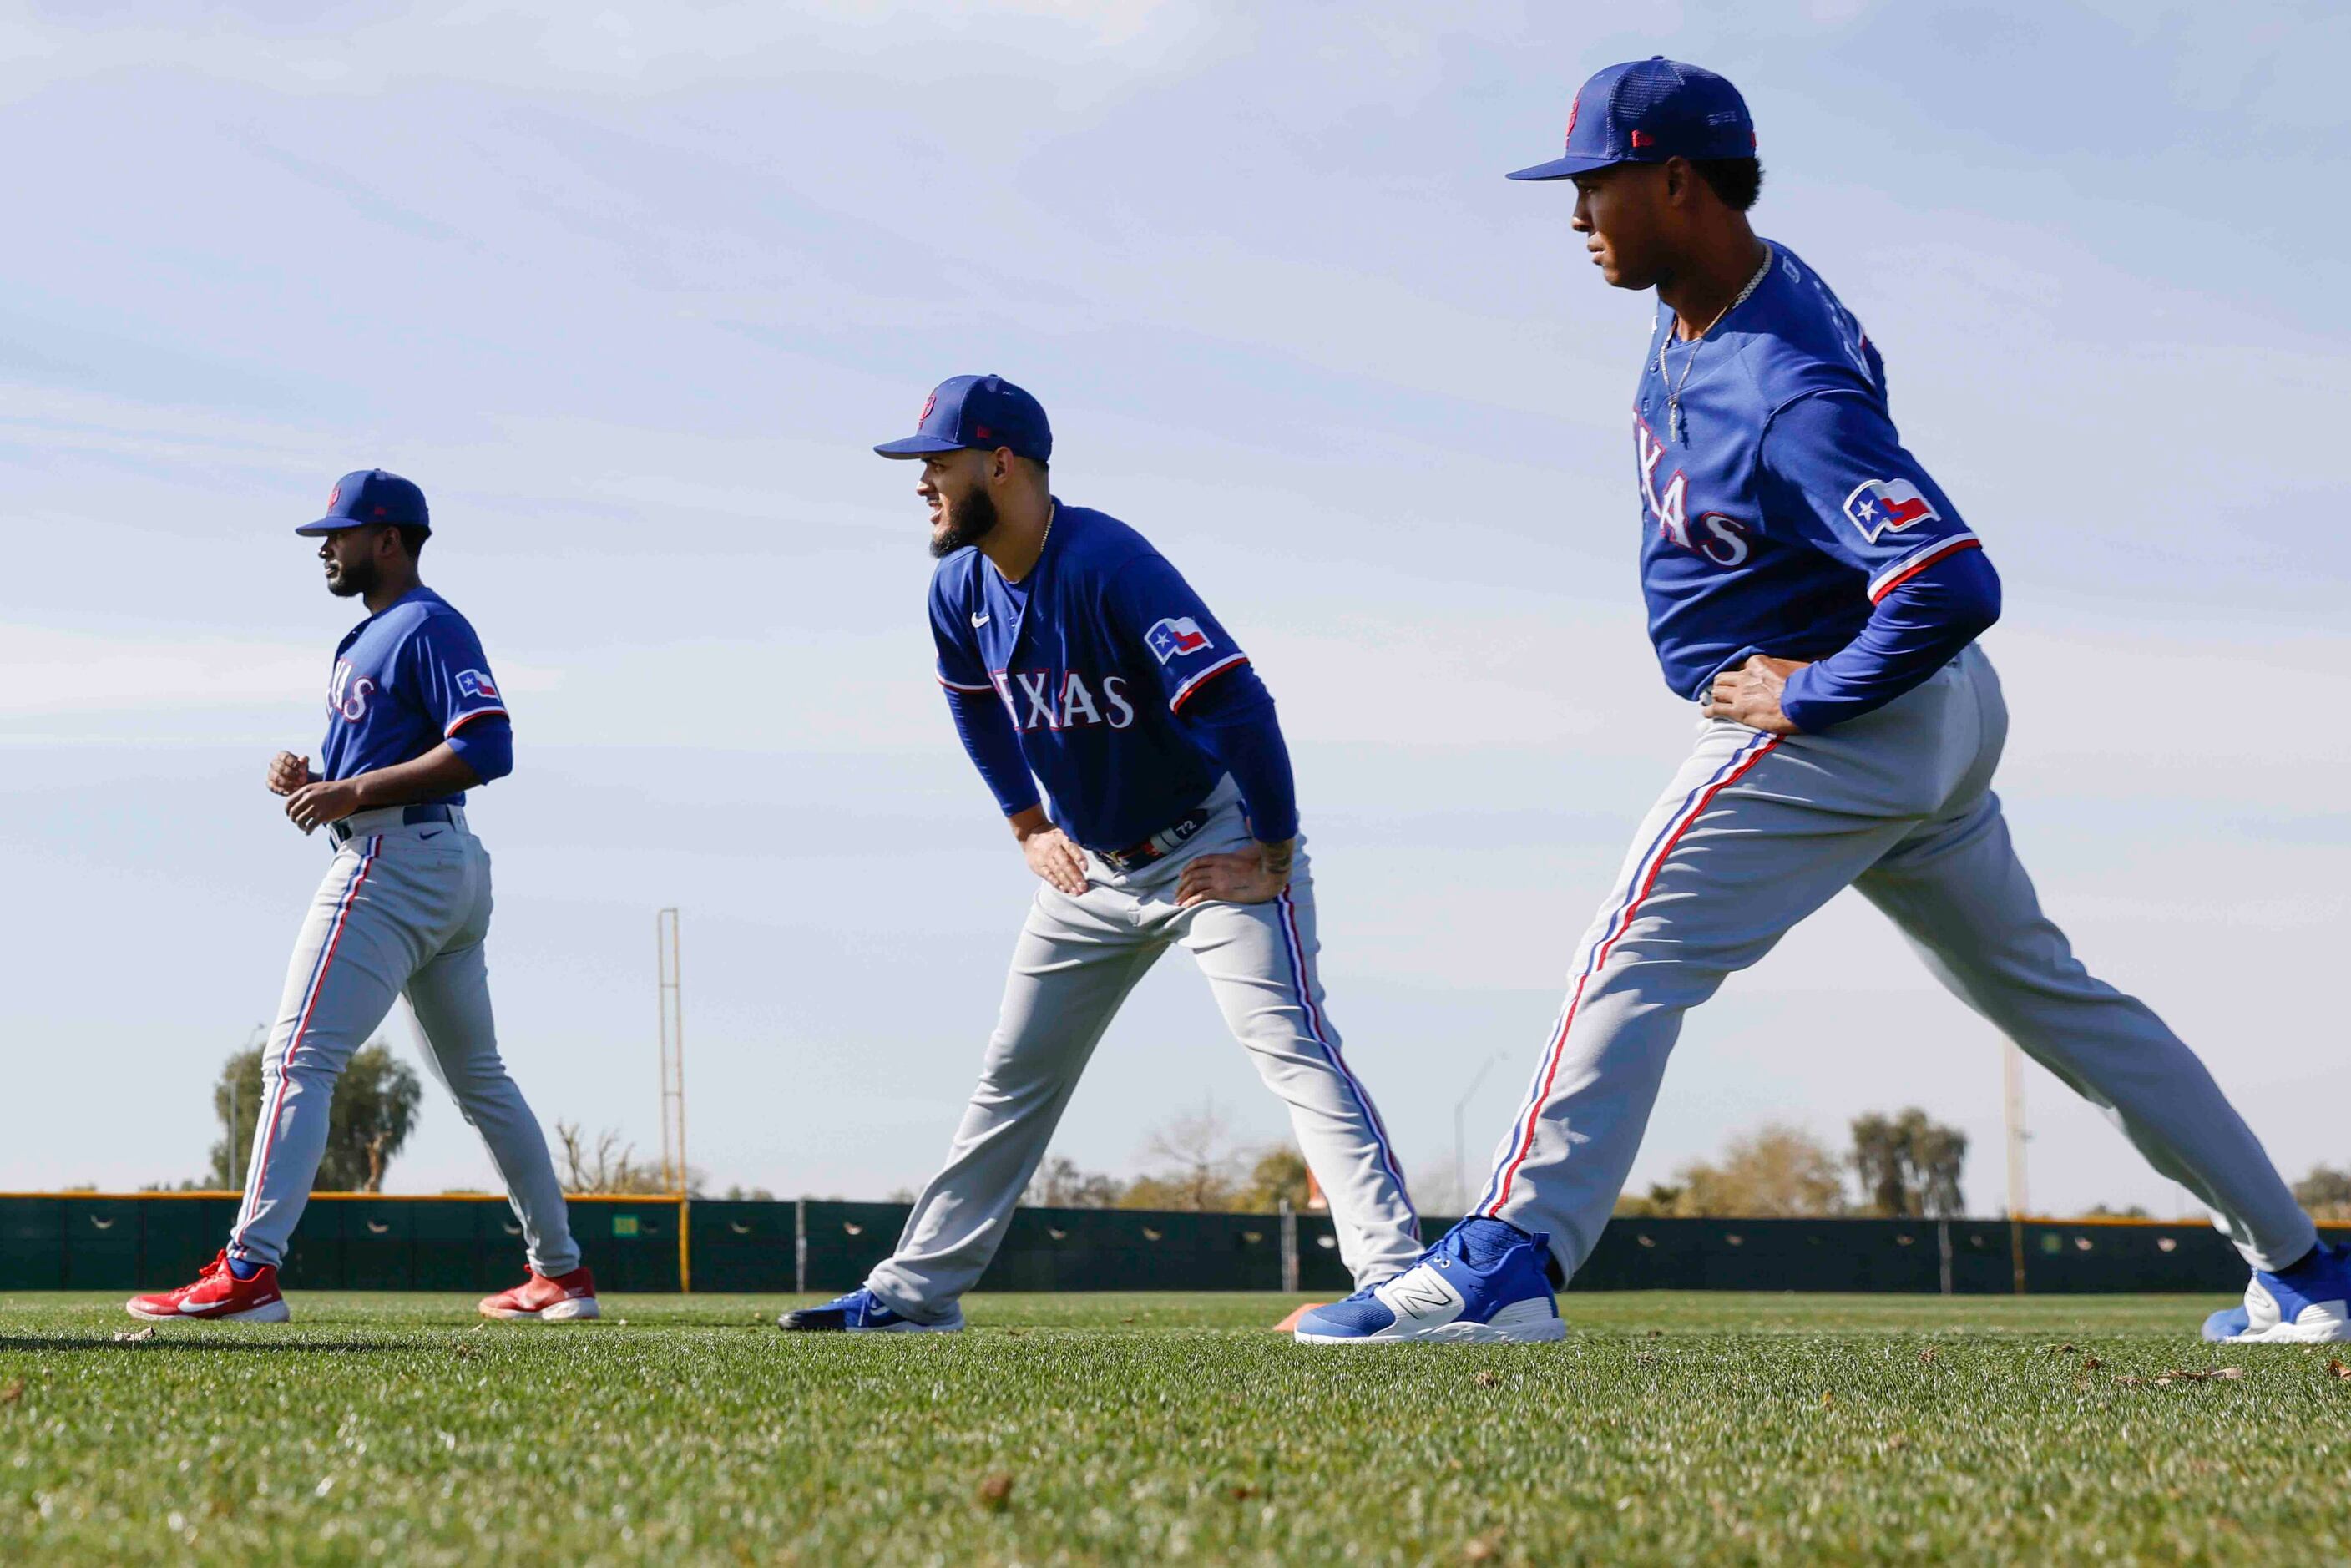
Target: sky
[(631, 290)]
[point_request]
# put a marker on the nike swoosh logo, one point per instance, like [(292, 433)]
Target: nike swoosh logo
[(192, 1311), (978, 621), (433, 834)]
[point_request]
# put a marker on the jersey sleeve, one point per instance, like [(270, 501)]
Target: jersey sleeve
[(452, 674), (1153, 609), (960, 668), (1832, 462), (1921, 623)]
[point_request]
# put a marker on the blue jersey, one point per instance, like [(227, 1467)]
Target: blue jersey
[(1094, 655), (404, 680), (1780, 509)]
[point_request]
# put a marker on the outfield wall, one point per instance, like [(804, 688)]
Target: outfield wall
[(349, 1241)]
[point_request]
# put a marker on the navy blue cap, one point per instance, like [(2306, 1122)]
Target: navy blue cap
[(981, 412), (372, 496), (1645, 112)]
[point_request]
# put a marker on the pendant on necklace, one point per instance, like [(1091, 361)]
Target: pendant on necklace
[(1676, 426)]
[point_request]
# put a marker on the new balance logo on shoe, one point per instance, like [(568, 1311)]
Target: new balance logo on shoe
[(1421, 1294)]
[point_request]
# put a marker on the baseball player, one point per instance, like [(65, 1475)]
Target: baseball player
[(414, 720), (1818, 596), (1072, 653)]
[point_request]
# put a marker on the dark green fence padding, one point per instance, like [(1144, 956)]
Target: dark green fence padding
[(82, 1241)]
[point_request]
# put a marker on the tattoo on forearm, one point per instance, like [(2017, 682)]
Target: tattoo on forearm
[(1279, 856)]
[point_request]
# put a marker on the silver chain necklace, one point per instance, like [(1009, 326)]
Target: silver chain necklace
[(1676, 425)]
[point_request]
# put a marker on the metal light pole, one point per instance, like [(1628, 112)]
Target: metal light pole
[(671, 997), (1460, 1107), (2012, 1080)]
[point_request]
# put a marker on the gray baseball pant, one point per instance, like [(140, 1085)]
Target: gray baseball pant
[(402, 910), (1756, 832), (1075, 961)]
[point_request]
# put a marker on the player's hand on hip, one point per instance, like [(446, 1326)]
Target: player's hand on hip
[(1253, 876), (1052, 856), (320, 802), (1749, 695), (288, 773)]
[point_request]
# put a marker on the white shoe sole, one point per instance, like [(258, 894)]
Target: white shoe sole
[(2326, 1321), (2315, 1327), (272, 1313), (570, 1311), (955, 1327), (1521, 1323)]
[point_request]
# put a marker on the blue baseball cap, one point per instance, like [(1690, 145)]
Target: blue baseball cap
[(372, 496), (1645, 112), (981, 412)]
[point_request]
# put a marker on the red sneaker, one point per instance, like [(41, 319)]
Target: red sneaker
[(218, 1294), (559, 1300)]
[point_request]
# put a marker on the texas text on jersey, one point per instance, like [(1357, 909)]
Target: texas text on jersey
[(1779, 503), (1096, 653), (403, 682)]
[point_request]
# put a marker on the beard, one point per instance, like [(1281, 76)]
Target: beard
[(968, 521), (352, 580)]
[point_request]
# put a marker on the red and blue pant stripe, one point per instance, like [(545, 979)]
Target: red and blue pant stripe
[(317, 984), (1302, 981), (1637, 887)]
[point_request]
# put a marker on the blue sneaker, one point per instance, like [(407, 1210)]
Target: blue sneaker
[(1482, 1282), (2309, 1303), (862, 1311)]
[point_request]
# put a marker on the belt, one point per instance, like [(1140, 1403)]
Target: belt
[(342, 832), (1159, 846)]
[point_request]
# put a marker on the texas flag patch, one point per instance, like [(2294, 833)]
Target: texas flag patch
[(1174, 637), (476, 685), (1887, 506)]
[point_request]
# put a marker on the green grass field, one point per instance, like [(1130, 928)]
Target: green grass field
[(1666, 1428)]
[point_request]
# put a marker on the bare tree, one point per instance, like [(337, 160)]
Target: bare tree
[(1662, 1201), (2326, 1193), (1199, 1169), (1774, 1172), (1279, 1172), (1059, 1184), (610, 1165)]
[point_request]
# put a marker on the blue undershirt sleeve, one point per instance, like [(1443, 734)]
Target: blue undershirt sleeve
[(486, 745), (1919, 625), (994, 746), (1231, 716)]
